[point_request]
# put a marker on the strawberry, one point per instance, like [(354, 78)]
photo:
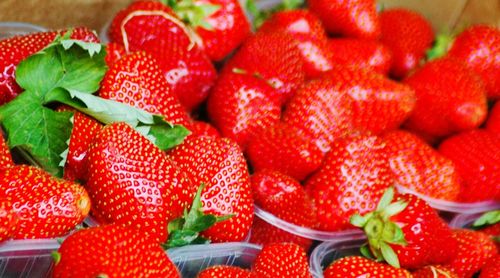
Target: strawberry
[(351, 180), (84, 130), (153, 27), (489, 223), (493, 123), (439, 113), (282, 148), (136, 80), (479, 47), (199, 128), (365, 54), (264, 233), (112, 251), (148, 189), (322, 111), (8, 220), (356, 266), (45, 206), (224, 271), (419, 167), (434, 271), (284, 197), (407, 233), (5, 155), (311, 38), (356, 18), (408, 35), (114, 52), (274, 56), (14, 50), (474, 250), (281, 260), (492, 268), (242, 104), (379, 103), (476, 156), (220, 165)]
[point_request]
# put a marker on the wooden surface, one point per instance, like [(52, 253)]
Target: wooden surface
[(444, 14)]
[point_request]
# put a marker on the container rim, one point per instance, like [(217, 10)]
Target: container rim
[(319, 253)]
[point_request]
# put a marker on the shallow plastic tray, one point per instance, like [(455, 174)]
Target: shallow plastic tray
[(464, 220), (327, 252), (10, 29)]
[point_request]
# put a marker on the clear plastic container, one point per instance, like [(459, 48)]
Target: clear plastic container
[(10, 29), (347, 235), (327, 252), (464, 220)]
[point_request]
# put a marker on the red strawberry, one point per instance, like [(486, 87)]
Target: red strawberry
[(356, 18), (224, 271), (351, 180), (408, 34), (356, 267), (281, 260), (148, 189), (419, 167), (492, 268), (220, 165), (242, 104), (112, 251), (434, 271), (365, 54), (8, 220), (379, 103), (264, 233), (474, 251), (114, 52), (407, 233), (284, 197), (16, 49), (282, 148), (439, 113), (154, 28), (45, 206), (476, 155), (136, 80), (311, 38), (479, 47), (274, 56), (84, 130), (322, 111), (199, 128), (493, 123), (5, 155)]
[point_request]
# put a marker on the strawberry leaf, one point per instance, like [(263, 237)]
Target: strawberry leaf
[(389, 255)]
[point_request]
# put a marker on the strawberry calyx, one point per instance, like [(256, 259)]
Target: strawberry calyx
[(381, 231), (56, 257), (441, 46), (193, 14), (487, 219), (186, 229), (259, 15)]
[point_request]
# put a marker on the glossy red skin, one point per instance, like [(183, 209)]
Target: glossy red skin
[(5, 155), (199, 128), (230, 27), (310, 35), (274, 56), (264, 233), (379, 104), (148, 188), (114, 52), (322, 111), (492, 268), (352, 179), (281, 260), (429, 239), (14, 50), (493, 231), (241, 105), (114, 251), (188, 71), (358, 18), (356, 266), (434, 271), (220, 165), (8, 220), (419, 167), (365, 54), (225, 271), (440, 113), (84, 131), (46, 207), (137, 80), (479, 47), (474, 251), (476, 155), (493, 123), (282, 148), (408, 35)]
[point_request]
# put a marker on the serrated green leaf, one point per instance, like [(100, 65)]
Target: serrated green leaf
[(92, 48), (389, 255), (489, 218)]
